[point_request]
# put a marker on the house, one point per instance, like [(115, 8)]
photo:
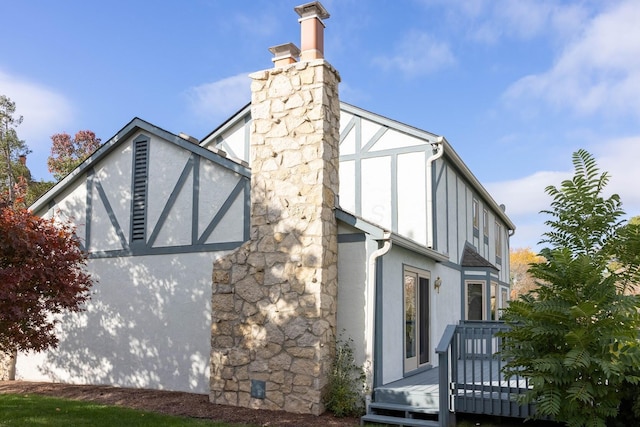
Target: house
[(319, 218), (153, 210)]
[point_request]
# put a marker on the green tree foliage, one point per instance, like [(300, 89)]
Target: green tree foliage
[(11, 148), (575, 337), (17, 188)]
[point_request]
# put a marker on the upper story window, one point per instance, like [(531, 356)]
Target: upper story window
[(498, 243), (476, 216), (485, 225)]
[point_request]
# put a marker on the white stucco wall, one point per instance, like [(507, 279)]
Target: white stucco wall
[(148, 322), (444, 307), (147, 326), (352, 281)]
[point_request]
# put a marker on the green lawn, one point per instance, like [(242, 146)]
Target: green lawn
[(33, 410)]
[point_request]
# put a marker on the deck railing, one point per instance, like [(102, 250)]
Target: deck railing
[(471, 378)]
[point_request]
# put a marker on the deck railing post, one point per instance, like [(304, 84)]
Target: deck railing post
[(446, 365)]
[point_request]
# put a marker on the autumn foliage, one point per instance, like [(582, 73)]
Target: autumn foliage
[(67, 153), (41, 274), (521, 259)]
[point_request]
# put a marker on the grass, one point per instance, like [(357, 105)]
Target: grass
[(17, 410), (33, 410)]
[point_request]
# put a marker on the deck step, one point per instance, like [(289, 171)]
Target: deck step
[(375, 406), (397, 421), (416, 395)]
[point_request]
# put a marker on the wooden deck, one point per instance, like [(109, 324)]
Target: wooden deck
[(474, 378), (469, 379)]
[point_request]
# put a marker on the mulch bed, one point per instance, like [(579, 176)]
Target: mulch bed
[(173, 403)]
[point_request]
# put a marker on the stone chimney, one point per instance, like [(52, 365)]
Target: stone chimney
[(312, 30), (274, 298)]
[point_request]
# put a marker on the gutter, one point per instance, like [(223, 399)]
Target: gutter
[(370, 310), (438, 151)]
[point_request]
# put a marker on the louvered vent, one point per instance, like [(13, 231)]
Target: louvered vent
[(140, 179)]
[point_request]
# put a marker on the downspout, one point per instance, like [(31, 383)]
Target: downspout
[(370, 313), (438, 151)]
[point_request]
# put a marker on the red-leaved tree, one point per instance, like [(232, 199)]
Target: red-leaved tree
[(67, 153), (41, 274)]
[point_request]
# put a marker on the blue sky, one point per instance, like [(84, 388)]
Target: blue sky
[(514, 86)]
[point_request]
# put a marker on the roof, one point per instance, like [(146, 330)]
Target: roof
[(127, 131), (378, 233), (471, 258)]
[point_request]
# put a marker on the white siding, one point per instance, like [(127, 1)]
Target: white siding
[(412, 204), (376, 191), (114, 174)]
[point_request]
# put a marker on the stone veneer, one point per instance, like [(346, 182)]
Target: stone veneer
[(274, 298)]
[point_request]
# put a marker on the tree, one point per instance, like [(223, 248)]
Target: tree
[(576, 337), (627, 264), (41, 274), (25, 190), (520, 260), (67, 153), (11, 147)]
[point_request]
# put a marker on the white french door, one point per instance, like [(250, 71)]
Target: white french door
[(416, 319)]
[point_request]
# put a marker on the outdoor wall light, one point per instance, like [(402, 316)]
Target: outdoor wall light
[(437, 284)]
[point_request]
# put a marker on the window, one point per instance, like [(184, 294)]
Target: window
[(498, 243), (504, 300), (495, 304), (474, 300), (485, 223), (476, 214)]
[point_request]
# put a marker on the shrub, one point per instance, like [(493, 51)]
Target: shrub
[(344, 395), (576, 337)]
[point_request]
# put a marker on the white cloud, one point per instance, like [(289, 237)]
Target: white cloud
[(417, 53), (216, 101), (620, 158), (42, 109), (598, 72), (525, 197), (490, 21)]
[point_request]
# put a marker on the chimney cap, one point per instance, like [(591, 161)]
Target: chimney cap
[(287, 50), (311, 10)]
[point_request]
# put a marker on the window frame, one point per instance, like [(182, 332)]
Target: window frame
[(475, 216), (498, 242), (483, 285)]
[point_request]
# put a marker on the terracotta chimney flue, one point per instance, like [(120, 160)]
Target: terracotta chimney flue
[(312, 30), (284, 54)]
